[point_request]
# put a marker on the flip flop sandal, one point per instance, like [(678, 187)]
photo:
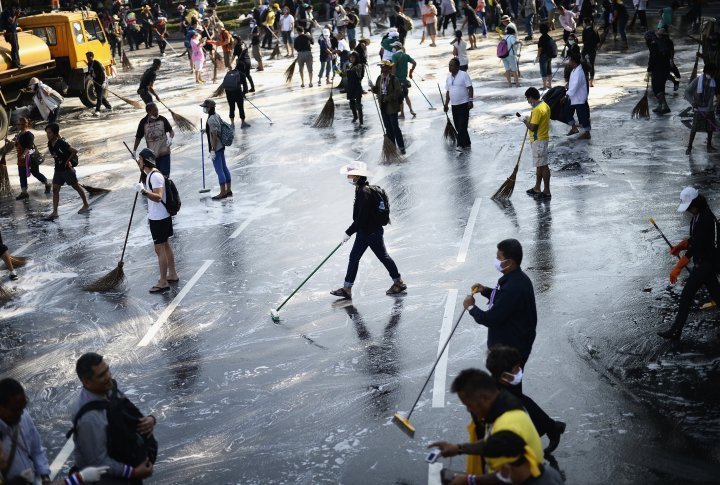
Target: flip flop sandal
[(341, 293), (173, 281), (157, 289)]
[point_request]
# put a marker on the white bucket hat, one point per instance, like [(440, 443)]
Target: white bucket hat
[(687, 195), (356, 167)]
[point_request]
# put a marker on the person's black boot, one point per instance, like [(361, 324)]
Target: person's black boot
[(671, 333), (355, 113), (360, 115), (554, 436)]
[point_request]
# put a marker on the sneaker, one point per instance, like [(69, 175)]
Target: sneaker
[(573, 131), (402, 151), (319, 82), (14, 276), (96, 113), (244, 125), (397, 288), (532, 191), (543, 196), (23, 195), (342, 293), (554, 436)]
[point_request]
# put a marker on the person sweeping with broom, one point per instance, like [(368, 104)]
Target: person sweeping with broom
[(538, 126), (389, 92), (371, 211), (158, 134), (97, 72), (354, 73), (159, 219), (66, 159), (147, 81), (459, 94)]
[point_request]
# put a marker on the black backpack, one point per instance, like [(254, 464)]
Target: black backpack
[(124, 444), (172, 196), (233, 80), (381, 215), (264, 15), (553, 48)]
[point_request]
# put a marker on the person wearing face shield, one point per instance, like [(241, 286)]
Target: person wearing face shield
[(503, 362), (46, 99), (510, 316), (703, 248)]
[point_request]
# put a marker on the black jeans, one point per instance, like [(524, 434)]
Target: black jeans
[(35, 172), (236, 98), (373, 240), (449, 18), (101, 99), (461, 117), (267, 39), (12, 39), (392, 128), (145, 95), (703, 274)]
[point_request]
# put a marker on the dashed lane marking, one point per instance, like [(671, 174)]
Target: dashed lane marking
[(438, 398)]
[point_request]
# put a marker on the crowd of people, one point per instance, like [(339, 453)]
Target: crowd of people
[(111, 434)]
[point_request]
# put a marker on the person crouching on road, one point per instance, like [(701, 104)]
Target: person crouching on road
[(46, 99), (7, 258), (64, 156), (159, 218), (217, 149), (702, 248), (368, 208)]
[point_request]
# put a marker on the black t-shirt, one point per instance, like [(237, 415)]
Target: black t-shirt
[(302, 43), (148, 78), (60, 151), (470, 16), (97, 71), (545, 44), (255, 36), (26, 140)]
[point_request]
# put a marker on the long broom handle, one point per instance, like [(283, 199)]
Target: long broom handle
[(440, 354), (377, 107), (522, 146), (443, 100), (421, 92), (253, 105), (132, 212), (652, 221), (310, 276), (202, 151)]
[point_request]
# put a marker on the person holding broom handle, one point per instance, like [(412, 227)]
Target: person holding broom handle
[(303, 46), (161, 227), (158, 134), (97, 72), (701, 248), (459, 94), (702, 92), (146, 82), (389, 92), (538, 127)]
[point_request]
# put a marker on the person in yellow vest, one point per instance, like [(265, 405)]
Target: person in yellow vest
[(517, 464), (492, 411)]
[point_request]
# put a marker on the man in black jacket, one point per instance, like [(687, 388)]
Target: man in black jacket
[(370, 213), (511, 316), (703, 249), (97, 72)]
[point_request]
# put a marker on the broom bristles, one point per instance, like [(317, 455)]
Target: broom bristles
[(5, 294), (507, 188), (275, 52), (390, 152), (18, 261), (126, 64), (641, 109), (108, 282), (5, 188), (290, 72), (450, 134), (183, 124), (131, 102), (327, 115), (218, 92), (94, 190), (693, 74)]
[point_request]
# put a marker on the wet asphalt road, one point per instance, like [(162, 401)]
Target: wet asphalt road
[(242, 400)]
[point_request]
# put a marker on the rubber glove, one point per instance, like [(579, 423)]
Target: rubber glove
[(139, 187), (212, 156), (370, 84), (93, 473), (681, 246), (134, 154), (169, 142), (345, 238), (684, 261)]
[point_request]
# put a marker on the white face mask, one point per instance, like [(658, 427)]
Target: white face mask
[(351, 181), (516, 378), (498, 264)]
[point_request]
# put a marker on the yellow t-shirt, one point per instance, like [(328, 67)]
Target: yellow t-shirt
[(540, 116)]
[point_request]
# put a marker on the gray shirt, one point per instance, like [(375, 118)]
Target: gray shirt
[(550, 476), (213, 128)]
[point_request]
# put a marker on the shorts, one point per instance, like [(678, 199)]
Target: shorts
[(365, 20), (286, 37), (303, 59), (62, 177), (510, 63), (256, 53), (161, 230), (703, 121), (431, 29), (539, 153), (405, 86), (3, 248), (472, 29), (198, 65)]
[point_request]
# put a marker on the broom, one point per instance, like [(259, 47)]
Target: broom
[(693, 74), (390, 152), (5, 188), (218, 92), (94, 190), (18, 261), (133, 103), (450, 134), (641, 109), (115, 277), (290, 71), (183, 124), (275, 54), (507, 188), (327, 115), (126, 64), (5, 294)]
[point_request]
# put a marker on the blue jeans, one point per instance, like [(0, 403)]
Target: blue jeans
[(373, 240), (163, 164), (529, 24), (221, 167), (325, 67), (621, 23), (22, 172)]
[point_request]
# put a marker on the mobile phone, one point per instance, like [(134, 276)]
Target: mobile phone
[(517, 114), (433, 455)]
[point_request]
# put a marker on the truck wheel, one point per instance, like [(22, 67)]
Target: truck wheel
[(4, 123), (87, 96)]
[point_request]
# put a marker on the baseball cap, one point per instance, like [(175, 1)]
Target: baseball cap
[(148, 155), (687, 195), (208, 103)]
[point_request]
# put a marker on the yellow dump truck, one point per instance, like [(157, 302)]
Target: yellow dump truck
[(52, 48)]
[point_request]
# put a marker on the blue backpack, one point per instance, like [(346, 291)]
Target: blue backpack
[(188, 35)]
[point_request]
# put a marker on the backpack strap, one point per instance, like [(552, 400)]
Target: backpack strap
[(150, 185), (86, 408), (11, 457)]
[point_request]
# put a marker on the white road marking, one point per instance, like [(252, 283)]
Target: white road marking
[(62, 457), (173, 305), (22, 248), (438, 399), (251, 218), (469, 228), (434, 473)]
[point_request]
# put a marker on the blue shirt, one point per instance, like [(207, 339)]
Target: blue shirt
[(29, 453)]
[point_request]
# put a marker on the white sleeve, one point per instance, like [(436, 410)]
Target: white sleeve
[(468, 81)]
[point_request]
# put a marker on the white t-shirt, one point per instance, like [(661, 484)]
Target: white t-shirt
[(364, 7), (156, 211), (462, 52), (343, 45), (287, 22), (457, 87)]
